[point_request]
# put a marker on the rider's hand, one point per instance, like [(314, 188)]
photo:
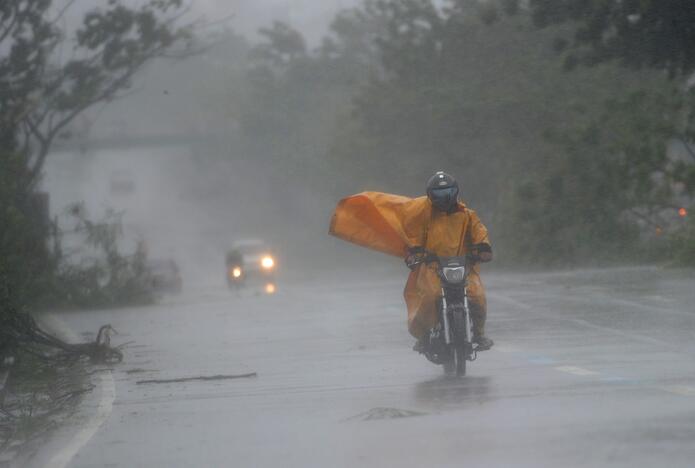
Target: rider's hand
[(481, 253), (412, 261), (414, 257), (485, 257)]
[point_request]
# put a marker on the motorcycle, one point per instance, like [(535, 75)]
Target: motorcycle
[(452, 339)]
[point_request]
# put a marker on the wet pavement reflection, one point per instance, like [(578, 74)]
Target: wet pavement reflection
[(586, 371), (451, 392)]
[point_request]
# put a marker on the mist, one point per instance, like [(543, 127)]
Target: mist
[(346, 233), (312, 17), (199, 189)]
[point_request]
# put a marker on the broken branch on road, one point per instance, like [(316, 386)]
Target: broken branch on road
[(202, 377)]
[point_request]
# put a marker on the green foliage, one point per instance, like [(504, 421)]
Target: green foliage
[(681, 243), (457, 94), (572, 167), (564, 167), (283, 44), (41, 92), (295, 100), (638, 33), (98, 274), (24, 259)]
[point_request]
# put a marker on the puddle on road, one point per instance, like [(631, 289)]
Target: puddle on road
[(384, 413)]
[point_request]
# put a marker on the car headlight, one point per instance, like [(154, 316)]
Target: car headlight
[(454, 275), (267, 262)]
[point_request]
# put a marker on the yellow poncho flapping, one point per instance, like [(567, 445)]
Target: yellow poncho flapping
[(392, 224)]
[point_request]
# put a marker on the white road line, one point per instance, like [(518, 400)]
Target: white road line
[(682, 390), (633, 336), (107, 395), (541, 360), (576, 370), (84, 435)]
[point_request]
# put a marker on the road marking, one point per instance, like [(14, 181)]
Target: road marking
[(85, 434), (682, 390), (107, 388), (541, 360), (584, 323), (617, 379), (576, 370)]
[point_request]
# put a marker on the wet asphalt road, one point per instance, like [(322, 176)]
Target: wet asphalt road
[(594, 368)]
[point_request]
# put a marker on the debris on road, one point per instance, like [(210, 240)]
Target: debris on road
[(202, 377), (385, 413)]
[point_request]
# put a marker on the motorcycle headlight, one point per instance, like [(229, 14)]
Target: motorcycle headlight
[(267, 262), (236, 272), (454, 275)]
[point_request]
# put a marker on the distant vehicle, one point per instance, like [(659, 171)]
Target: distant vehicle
[(122, 183), (163, 276), (251, 260)]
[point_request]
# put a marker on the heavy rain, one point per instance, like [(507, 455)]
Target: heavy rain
[(340, 233)]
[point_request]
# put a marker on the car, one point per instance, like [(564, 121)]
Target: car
[(163, 276), (251, 261)]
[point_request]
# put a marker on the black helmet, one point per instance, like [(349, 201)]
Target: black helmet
[(443, 192)]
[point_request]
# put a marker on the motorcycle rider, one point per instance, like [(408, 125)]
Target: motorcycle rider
[(452, 229)]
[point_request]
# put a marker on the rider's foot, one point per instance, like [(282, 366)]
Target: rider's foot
[(484, 343), (421, 345), (430, 345)]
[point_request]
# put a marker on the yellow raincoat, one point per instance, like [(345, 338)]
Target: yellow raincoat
[(392, 224)]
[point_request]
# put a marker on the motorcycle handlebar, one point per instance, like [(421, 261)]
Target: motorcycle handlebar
[(418, 255)]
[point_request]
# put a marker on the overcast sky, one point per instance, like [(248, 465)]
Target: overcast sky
[(312, 17)]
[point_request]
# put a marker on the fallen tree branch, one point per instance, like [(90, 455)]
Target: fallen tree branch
[(203, 377), (22, 332)]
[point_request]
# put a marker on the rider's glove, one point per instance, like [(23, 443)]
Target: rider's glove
[(480, 253), (412, 261), (414, 257)]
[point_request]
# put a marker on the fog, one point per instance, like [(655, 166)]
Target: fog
[(553, 325), (312, 17), (196, 189), (235, 142)]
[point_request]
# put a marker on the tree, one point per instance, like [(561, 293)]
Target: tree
[(617, 170), (49, 75), (611, 182), (454, 93), (639, 33), (282, 45)]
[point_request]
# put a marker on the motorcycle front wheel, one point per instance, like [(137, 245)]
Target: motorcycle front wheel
[(455, 365), (460, 349)]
